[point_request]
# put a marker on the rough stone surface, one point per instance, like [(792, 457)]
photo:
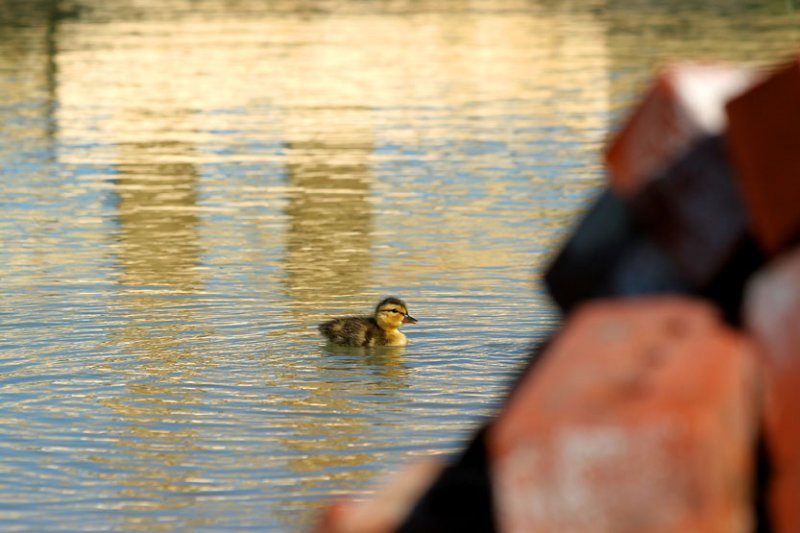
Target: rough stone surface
[(764, 136), (694, 212), (609, 255), (641, 416), (772, 312), (685, 103)]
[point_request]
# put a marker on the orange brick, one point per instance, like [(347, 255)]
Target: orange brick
[(641, 417), (685, 103), (772, 313), (764, 137)]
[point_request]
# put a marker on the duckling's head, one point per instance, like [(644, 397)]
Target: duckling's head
[(391, 312)]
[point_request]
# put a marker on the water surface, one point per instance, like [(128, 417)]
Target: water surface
[(188, 187)]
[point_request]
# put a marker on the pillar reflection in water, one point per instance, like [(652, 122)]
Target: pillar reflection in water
[(158, 255), (158, 239), (330, 223), (328, 265), (27, 145)]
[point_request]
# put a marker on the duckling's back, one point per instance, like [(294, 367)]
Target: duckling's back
[(353, 331)]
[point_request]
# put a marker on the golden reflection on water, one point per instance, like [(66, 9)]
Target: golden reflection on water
[(190, 186), (330, 227), (159, 241), (158, 253), (344, 433)]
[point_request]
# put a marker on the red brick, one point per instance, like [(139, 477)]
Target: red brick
[(685, 103), (772, 313), (640, 418), (764, 137)]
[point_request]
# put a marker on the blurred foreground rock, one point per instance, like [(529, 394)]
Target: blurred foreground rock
[(387, 509), (667, 400), (764, 135), (684, 104), (635, 402), (773, 316)]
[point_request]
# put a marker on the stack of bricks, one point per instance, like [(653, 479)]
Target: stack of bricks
[(666, 401)]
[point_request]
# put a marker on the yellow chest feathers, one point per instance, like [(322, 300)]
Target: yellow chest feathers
[(395, 338)]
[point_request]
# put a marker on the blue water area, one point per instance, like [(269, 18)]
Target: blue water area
[(188, 188)]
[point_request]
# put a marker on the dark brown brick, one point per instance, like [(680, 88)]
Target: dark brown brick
[(764, 135)]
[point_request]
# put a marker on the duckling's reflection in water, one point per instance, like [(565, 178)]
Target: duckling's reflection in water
[(386, 365), (369, 354)]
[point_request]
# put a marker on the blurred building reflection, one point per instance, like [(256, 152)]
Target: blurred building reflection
[(158, 255), (135, 130), (159, 242), (329, 216), (27, 143)]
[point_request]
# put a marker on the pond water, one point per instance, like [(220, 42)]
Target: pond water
[(189, 187)]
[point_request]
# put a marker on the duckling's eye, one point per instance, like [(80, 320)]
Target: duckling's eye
[(395, 310)]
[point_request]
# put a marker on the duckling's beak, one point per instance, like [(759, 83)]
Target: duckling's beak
[(408, 319)]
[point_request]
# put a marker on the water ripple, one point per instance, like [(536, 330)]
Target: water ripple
[(190, 187)]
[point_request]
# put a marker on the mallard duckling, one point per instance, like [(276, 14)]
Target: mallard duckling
[(378, 330)]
